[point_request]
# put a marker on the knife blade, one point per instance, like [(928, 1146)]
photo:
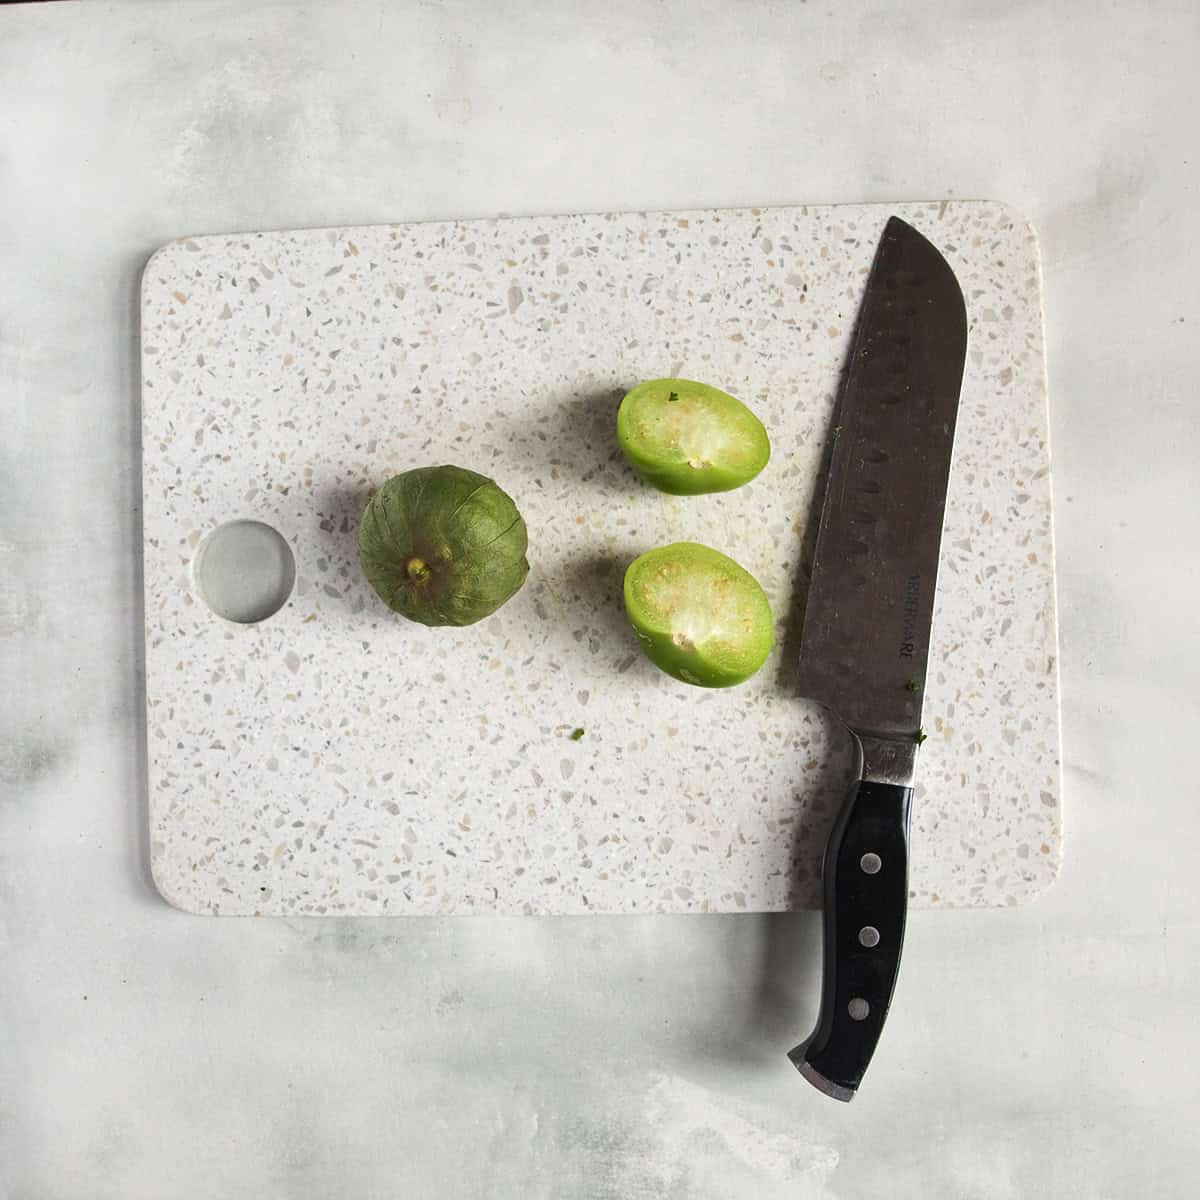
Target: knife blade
[(865, 642)]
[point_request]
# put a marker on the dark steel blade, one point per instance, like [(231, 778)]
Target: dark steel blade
[(865, 643)]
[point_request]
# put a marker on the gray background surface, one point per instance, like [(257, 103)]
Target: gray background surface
[(1036, 1052)]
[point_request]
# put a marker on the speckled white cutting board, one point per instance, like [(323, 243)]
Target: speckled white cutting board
[(336, 759)]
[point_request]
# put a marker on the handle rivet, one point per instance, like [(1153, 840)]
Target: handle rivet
[(870, 863), (868, 936), (858, 1009)]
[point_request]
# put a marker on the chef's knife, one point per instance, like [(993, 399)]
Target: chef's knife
[(865, 644)]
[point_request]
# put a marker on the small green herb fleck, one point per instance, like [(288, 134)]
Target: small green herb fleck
[(920, 737), (912, 686), (837, 432), (672, 397), (576, 734)]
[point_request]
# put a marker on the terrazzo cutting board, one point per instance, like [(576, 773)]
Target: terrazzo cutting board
[(335, 759)]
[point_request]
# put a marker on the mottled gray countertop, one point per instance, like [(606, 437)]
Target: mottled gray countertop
[(1030, 1052)]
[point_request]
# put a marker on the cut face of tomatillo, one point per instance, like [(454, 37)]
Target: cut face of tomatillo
[(687, 438), (699, 616)]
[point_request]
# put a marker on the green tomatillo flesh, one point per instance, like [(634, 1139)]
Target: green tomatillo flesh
[(688, 438), (699, 615)]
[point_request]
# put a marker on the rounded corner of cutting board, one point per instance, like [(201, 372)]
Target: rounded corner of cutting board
[(159, 257), (1036, 891), (167, 892), (1018, 219)]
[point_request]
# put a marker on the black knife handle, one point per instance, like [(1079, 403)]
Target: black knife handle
[(865, 876)]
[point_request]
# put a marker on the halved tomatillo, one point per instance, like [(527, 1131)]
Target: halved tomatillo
[(687, 438), (699, 615)]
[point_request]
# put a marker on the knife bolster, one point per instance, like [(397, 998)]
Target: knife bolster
[(887, 760)]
